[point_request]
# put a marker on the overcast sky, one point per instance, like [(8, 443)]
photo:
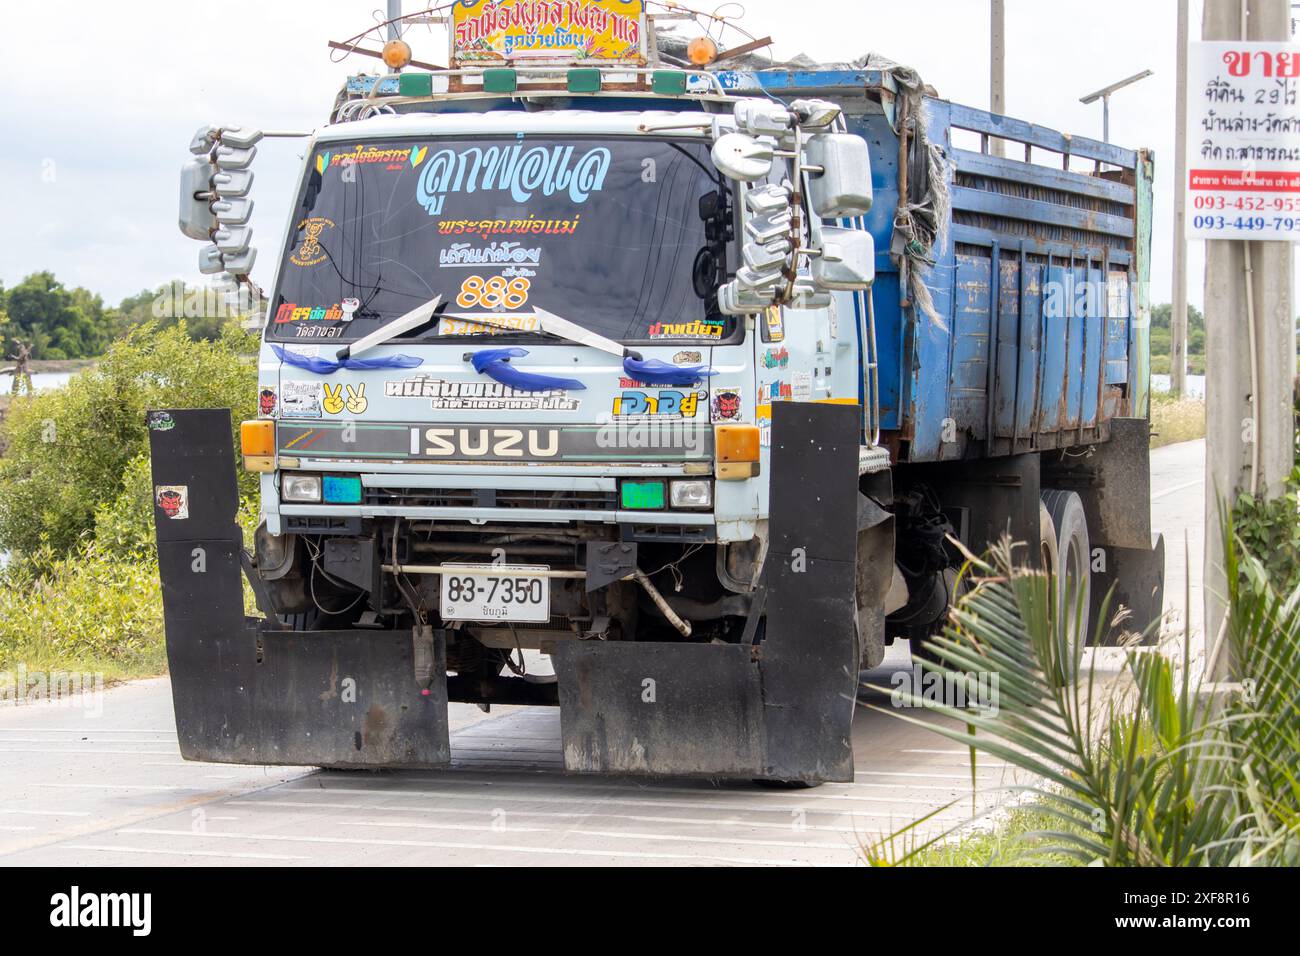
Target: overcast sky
[(100, 100)]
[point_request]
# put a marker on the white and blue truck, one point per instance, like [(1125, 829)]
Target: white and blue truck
[(686, 377)]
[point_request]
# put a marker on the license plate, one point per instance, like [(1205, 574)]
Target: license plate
[(486, 592)]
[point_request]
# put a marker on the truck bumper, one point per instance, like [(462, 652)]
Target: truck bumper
[(247, 692)]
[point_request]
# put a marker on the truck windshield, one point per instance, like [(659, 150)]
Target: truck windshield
[(627, 238)]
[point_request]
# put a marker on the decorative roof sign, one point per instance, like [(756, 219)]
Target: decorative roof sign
[(1243, 141), (547, 31)]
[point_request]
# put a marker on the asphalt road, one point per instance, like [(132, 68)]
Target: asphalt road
[(101, 782)]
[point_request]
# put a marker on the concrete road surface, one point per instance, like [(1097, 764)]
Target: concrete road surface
[(102, 783)]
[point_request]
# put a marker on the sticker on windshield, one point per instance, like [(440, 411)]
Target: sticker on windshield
[(311, 251), (493, 292), (503, 323), (548, 169), (708, 329), (532, 226), (299, 399), (392, 158), (312, 321), (460, 255)]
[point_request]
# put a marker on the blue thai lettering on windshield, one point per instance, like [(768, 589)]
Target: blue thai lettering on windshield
[(520, 171)]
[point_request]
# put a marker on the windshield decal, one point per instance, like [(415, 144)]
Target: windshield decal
[(392, 158), (493, 292), (624, 263), (460, 254), (531, 226), (312, 321), (687, 330), (511, 168), (465, 324), (311, 251)]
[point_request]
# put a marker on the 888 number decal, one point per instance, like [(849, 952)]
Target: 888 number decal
[(494, 291)]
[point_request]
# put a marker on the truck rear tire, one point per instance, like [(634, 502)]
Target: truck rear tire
[(1073, 565), (1046, 540)]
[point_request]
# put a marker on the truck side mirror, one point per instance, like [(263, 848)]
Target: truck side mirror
[(196, 217), (847, 261), (842, 190), (215, 207), (742, 157)]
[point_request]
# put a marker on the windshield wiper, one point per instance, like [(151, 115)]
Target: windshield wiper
[(417, 316), (652, 371)]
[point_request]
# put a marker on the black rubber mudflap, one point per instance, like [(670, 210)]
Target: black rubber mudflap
[(1137, 576), (782, 710), (247, 694), (809, 663), (1114, 483), (681, 709)]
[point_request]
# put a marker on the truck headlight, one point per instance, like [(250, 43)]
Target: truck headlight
[(295, 486), (691, 494)]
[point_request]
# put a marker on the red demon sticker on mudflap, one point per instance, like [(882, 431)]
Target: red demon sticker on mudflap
[(174, 500)]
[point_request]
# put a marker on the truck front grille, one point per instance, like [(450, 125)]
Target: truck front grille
[(392, 496)]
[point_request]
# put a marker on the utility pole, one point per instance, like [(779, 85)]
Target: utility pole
[(998, 65), (1178, 318), (394, 28), (394, 11), (1249, 354)]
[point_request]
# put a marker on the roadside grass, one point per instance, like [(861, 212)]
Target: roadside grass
[(1175, 419), (94, 612), (1010, 841)]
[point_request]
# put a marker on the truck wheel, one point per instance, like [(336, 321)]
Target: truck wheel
[(1073, 567), (1046, 540)]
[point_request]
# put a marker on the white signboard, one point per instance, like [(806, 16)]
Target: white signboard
[(1243, 140)]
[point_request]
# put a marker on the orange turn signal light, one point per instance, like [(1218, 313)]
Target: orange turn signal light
[(736, 442), (257, 443), (736, 450)]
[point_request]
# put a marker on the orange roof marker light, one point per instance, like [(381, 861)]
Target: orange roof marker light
[(701, 51), (396, 54)]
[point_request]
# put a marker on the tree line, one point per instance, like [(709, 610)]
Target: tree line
[(63, 323)]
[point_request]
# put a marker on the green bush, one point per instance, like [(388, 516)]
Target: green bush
[(73, 453), (99, 610)]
